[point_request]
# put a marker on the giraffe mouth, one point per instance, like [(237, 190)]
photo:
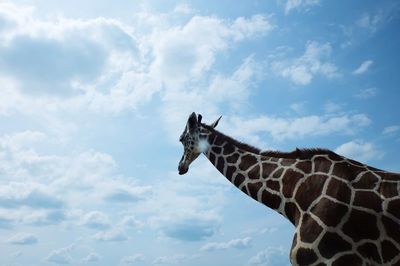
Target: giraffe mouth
[(182, 170)]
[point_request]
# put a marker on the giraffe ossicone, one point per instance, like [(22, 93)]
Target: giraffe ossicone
[(345, 213)]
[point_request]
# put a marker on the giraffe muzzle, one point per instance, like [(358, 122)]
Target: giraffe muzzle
[(182, 169)]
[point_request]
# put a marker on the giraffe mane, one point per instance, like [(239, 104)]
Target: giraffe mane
[(240, 145), (297, 153), (302, 153)]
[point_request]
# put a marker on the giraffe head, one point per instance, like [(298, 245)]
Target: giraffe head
[(192, 143)]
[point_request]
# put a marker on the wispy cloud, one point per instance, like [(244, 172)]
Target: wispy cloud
[(373, 20), (234, 243), (87, 175), (106, 65), (360, 150), (231, 90), (133, 259), (370, 22), (18, 195), (331, 107), (6, 221), (270, 256), (391, 130), (184, 9), (176, 63), (299, 4), (60, 256), (190, 228), (366, 93), (91, 257), (191, 207), (281, 128), (130, 221), (314, 61), (363, 67), (127, 194), (23, 239), (298, 107), (96, 220), (116, 234), (173, 259)]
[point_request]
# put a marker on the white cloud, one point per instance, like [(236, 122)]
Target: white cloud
[(302, 70), (189, 226), (173, 259), (391, 130), (91, 257), (270, 256), (236, 87), (133, 259), (10, 96), (239, 243), (42, 218), (360, 150), (191, 207), (68, 50), (78, 180), (126, 194), (232, 90), (16, 195), (363, 67), (60, 256), (72, 53), (22, 140), (96, 220), (299, 4), (178, 57), (23, 239), (116, 234), (6, 220), (130, 221), (298, 107), (374, 20), (86, 170), (122, 68), (185, 53), (269, 230), (68, 182), (184, 9), (33, 217), (331, 107), (243, 28), (366, 93), (371, 22), (291, 128)]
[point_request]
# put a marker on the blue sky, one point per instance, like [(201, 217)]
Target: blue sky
[(94, 96)]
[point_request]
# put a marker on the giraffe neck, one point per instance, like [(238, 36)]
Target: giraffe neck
[(269, 180), (345, 212)]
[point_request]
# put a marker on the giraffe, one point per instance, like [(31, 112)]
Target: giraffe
[(345, 213)]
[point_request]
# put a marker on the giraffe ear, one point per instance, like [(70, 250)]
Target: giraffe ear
[(213, 125), (192, 122), (199, 117)]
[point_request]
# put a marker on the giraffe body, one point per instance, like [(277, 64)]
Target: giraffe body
[(344, 212)]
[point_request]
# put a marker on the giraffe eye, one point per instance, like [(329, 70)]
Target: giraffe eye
[(181, 139)]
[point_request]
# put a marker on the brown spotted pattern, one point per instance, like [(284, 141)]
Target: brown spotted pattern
[(344, 212)]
